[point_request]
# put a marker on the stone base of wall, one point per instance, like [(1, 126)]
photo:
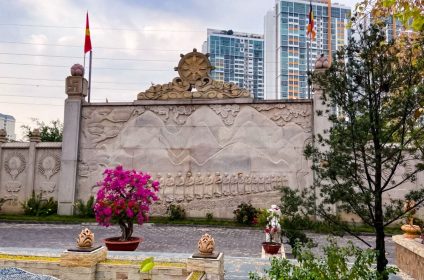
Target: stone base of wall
[(410, 256), (78, 266)]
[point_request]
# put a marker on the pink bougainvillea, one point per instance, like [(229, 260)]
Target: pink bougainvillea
[(125, 197)]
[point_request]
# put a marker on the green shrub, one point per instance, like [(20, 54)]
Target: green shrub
[(37, 206), (245, 214), (296, 238), (209, 216), (335, 265), (85, 210), (175, 212), (3, 201)]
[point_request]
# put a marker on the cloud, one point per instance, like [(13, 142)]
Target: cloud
[(149, 34)]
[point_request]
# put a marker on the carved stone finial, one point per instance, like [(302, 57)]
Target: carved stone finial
[(322, 62), (3, 135), (35, 136), (85, 239), (77, 70), (206, 244)]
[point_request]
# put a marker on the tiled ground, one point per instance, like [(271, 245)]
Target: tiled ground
[(242, 247)]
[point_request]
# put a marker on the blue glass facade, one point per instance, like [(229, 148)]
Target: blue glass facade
[(238, 58), (292, 40)]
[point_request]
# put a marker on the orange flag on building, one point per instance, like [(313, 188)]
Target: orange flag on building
[(87, 43), (310, 31)]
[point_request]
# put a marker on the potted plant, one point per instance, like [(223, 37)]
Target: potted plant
[(270, 219), (124, 197)]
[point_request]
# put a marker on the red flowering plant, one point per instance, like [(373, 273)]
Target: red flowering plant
[(124, 197)]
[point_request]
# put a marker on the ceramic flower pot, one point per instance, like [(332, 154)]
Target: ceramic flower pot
[(114, 244), (271, 248)]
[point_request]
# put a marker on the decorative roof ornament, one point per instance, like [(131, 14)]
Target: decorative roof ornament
[(77, 70), (322, 62), (194, 82)]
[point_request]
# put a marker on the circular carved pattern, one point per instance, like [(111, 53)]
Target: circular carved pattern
[(49, 164), (15, 164), (194, 66)]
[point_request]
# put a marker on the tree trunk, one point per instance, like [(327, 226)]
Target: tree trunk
[(379, 237), (126, 230)]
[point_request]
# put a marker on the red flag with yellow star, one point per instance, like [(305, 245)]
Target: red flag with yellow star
[(87, 44)]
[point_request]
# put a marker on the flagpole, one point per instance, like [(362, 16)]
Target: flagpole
[(307, 63), (89, 76)]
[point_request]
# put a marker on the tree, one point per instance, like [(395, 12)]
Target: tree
[(377, 90), (410, 13), (52, 132)]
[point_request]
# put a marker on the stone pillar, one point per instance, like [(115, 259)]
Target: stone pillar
[(81, 265), (321, 113), (3, 140), (34, 138), (320, 110), (213, 268), (76, 89)]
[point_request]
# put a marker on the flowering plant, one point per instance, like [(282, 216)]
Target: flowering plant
[(270, 218), (125, 197)]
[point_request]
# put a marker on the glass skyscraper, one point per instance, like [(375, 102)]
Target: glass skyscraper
[(238, 58), (286, 43)]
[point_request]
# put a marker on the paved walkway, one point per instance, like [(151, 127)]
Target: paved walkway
[(237, 244)]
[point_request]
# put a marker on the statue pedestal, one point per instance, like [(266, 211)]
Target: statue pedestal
[(281, 253), (213, 268), (81, 265)]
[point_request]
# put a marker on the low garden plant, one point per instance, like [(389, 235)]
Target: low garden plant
[(338, 263), (125, 197), (246, 214), (36, 205), (85, 210), (209, 216), (175, 212)]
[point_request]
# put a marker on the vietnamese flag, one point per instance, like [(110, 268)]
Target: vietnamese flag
[(87, 44)]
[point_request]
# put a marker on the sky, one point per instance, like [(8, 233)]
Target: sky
[(135, 43)]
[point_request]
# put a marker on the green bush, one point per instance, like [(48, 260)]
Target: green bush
[(37, 206), (3, 201), (209, 216), (85, 210), (335, 265), (245, 214), (175, 212)]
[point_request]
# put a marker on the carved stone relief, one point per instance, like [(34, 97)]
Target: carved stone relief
[(186, 188), (282, 114), (14, 164), (194, 82), (228, 113), (49, 165), (173, 114)]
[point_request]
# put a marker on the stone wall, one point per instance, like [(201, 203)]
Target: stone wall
[(410, 256), (96, 266), (209, 157), (28, 167)]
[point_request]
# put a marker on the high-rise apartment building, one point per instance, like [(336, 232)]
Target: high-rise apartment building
[(238, 58), (7, 123), (286, 43)]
